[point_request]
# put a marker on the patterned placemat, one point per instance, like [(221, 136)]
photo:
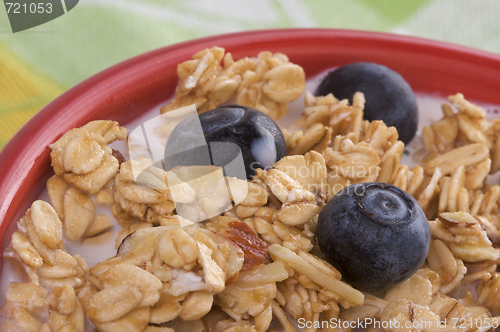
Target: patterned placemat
[(38, 64)]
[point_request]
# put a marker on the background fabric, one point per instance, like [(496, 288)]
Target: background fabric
[(38, 64)]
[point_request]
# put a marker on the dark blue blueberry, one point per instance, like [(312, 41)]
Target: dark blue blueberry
[(227, 131), (388, 96), (375, 234)]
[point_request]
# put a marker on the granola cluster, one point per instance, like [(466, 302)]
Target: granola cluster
[(37, 246), (83, 158), (159, 274), (212, 77), (255, 264)]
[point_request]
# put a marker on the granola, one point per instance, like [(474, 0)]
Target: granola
[(252, 258), (267, 82)]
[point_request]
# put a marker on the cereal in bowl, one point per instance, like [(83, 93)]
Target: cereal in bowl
[(243, 255)]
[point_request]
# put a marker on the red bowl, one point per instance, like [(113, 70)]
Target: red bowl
[(129, 88)]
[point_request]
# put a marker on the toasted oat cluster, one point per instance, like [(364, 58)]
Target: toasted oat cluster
[(212, 77), (255, 266)]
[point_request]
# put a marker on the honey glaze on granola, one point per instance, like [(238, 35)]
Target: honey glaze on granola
[(164, 275)]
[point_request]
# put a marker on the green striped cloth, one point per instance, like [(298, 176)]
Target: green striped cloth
[(38, 64)]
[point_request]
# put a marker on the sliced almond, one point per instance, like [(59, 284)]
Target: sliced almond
[(467, 155)]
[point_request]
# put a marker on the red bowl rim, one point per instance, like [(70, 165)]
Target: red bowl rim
[(19, 160)]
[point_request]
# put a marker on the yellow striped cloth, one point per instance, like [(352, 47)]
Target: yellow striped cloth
[(22, 93)]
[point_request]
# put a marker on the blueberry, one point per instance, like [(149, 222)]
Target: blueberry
[(388, 96), (256, 135), (375, 234)]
